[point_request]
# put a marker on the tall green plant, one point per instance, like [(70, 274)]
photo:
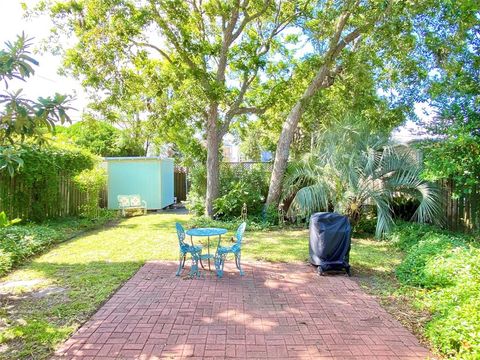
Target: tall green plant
[(5, 222), (92, 182), (351, 168), (22, 118), (34, 192)]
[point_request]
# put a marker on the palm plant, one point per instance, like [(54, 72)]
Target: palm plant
[(351, 169)]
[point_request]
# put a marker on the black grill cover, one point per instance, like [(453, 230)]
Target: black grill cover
[(330, 241)]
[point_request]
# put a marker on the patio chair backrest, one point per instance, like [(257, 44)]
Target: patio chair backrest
[(123, 200), (239, 233), (135, 200), (180, 234)]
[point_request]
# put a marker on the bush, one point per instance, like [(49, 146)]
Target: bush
[(231, 225), (445, 268), (196, 196), (33, 193), (237, 186), (92, 181), (20, 242)]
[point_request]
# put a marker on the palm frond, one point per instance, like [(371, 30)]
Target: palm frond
[(310, 199)]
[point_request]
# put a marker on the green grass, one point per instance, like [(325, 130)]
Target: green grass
[(86, 270)]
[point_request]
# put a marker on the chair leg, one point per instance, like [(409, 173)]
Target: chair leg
[(219, 262), (237, 262), (184, 259), (194, 269), (224, 257), (181, 264)]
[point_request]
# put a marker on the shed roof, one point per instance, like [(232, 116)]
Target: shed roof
[(136, 158)]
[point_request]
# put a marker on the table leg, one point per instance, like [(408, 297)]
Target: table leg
[(208, 247)]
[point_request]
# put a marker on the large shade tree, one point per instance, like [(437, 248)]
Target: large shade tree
[(455, 100), (213, 52), (400, 38)]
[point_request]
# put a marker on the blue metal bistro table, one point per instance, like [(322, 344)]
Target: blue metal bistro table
[(206, 232)]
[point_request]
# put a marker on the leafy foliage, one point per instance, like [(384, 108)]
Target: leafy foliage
[(352, 167), (456, 157), (92, 181), (10, 160), (4, 221), (454, 95), (445, 269), (20, 117), (101, 138), (40, 178), (238, 186)]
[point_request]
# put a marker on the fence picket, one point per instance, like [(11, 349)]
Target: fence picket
[(17, 198)]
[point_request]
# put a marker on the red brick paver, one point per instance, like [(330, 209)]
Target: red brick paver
[(275, 311)]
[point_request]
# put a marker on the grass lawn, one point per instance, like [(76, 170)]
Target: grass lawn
[(47, 299)]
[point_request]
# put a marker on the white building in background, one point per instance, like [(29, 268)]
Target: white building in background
[(231, 150)]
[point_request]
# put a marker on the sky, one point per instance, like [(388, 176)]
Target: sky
[(46, 81)]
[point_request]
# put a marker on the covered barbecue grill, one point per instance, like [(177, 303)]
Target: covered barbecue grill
[(330, 241)]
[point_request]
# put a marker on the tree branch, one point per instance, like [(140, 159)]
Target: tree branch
[(178, 47), (160, 51), (249, 18), (249, 110)]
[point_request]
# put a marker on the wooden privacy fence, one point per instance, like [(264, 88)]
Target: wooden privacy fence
[(26, 202), (180, 181), (462, 213)]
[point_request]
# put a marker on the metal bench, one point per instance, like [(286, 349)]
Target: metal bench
[(131, 202)]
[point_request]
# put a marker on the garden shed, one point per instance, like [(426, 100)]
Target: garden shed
[(150, 177)]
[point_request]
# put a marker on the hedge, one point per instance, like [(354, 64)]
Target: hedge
[(445, 269)]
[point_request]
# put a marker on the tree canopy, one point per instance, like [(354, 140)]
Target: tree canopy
[(100, 138), (190, 65), (188, 72)]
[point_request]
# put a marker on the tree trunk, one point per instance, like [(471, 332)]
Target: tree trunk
[(213, 161), (282, 153), (321, 80)]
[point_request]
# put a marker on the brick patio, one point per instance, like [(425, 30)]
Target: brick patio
[(274, 311)]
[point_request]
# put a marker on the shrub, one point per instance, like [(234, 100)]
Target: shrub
[(6, 262), (196, 196), (237, 186), (20, 242), (101, 138), (231, 225), (33, 193), (92, 181), (445, 268), (4, 221), (195, 203)]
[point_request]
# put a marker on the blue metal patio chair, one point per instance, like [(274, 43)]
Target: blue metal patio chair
[(195, 250), (235, 249)]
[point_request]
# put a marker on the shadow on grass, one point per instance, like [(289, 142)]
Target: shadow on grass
[(39, 321)]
